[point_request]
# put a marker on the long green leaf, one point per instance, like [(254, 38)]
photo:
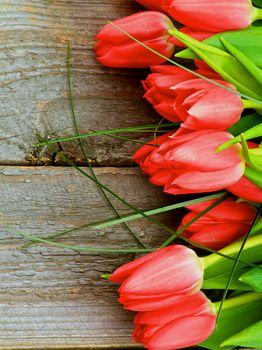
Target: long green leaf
[(253, 278), (220, 281), (85, 151), (238, 314), (224, 64), (255, 131), (248, 337), (134, 216), (254, 70), (248, 40), (244, 124)]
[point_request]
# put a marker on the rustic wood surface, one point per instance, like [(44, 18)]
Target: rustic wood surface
[(33, 80), (53, 297)]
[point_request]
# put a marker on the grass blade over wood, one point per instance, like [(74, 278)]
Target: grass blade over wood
[(86, 153)]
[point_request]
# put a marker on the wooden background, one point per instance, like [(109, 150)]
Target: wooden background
[(54, 298)]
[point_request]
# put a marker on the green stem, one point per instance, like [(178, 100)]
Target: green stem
[(256, 14), (238, 301), (251, 104), (215, 264)]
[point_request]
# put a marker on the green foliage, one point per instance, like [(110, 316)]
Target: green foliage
[(248, 41), (253, 278), (255, 131), (237, 314), (220, 281), (215, 265), (244, 124), (249, 337)]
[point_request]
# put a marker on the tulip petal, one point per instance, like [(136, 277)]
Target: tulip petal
[(205, 182), (229, 210), (196, 304), (218, 236), (153, 303), (180, 262), (124, 271), (244, 188), (182, 332), (199, 153), (213, 16)]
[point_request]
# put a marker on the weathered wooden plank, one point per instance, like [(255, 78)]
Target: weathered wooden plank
[(33, 94), (53, 297)]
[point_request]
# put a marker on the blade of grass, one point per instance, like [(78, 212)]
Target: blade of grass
[(76, 247), (144, 128), (164, 227), (132, 216), (85, 151), (237, 260), (112, 221), (132, 140)]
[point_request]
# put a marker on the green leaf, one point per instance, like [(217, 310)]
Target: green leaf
[(216, 265), (243, 59), (254, 176), (253, 160), (238, 313), (224, 64), (248, 337), (253, 278), (220, 281), (255, 131), (257, 3), (244, 124), (248, 41)]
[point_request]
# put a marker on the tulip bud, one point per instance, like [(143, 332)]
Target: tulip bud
[(227, 222), (183, 324), (180, 95), (189, 164), (155, 5), (177, 267), (213, 15), (116, 49), (246, 189)]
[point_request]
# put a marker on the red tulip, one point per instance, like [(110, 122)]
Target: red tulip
[(152, 4), (189, 164), (213, 15), (116, 49), (181, 325), (159, 279), (179, 95), (246, 189), (227, 222)]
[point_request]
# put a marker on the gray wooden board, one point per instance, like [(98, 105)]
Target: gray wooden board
[(33, 81), (54, 297)]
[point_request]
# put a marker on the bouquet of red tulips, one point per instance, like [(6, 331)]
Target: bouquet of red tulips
[(211, 150)]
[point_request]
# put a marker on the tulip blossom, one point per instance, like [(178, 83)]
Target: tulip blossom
[(227, 222), (181, 325), (115, 49), (213, 15), (246, 189), (152, 4), (177, 267), (179, 95), (189, 164)]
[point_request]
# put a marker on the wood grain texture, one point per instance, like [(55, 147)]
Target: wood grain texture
[(33, 81), (53, 297)]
